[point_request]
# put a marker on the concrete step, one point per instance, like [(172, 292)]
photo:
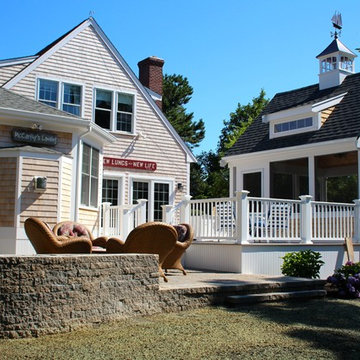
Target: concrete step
[(274, 296)]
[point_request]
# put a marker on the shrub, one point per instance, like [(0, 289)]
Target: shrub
[(305, 263), (347, 280)]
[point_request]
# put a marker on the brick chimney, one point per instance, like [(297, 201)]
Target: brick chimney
[(151, 75)]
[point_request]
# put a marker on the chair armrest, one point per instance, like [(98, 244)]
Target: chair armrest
[(114, 245), (75, 245), (100, 241)]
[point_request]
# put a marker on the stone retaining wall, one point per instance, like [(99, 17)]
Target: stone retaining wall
[(46, 294)]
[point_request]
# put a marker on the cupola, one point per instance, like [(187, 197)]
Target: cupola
[(336, 61)]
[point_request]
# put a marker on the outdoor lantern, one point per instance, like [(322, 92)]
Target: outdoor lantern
[(180, 186), (40, 183)]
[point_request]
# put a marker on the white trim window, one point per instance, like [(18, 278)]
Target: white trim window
[(70, 100), (125, 111), (119, 117), (293, 125), (89, 176), (48, 92)]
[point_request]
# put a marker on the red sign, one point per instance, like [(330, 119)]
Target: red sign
[(130, 164)]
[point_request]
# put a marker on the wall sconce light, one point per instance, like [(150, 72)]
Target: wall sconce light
[(180, 186), (40, 183)]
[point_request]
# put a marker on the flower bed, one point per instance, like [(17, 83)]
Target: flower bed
[(346, 280)]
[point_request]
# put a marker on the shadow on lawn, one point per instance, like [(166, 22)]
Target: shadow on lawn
[(329, 324)]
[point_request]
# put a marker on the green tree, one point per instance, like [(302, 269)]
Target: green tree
[(239, 121), (177, 93)]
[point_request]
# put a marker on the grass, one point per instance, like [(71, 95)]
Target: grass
[(316, 329)]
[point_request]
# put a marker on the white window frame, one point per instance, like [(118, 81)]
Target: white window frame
[(60, 95), (120, 179), (99, 177), (113, 116), (151, 181), (316, 122)]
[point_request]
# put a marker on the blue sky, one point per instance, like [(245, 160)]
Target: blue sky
[(227, 49)]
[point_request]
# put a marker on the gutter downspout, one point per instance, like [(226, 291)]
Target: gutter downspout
[(78, 175)]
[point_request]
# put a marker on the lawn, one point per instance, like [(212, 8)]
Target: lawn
[(316, 329)]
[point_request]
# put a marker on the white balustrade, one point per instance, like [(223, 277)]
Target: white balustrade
[(119, 220), (332, 221), (244, 219)]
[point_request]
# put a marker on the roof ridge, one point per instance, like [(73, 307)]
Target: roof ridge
[(49, 46)]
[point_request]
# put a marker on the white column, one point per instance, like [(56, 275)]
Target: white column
[(266, 181), (242, 217), (126, 227), (306, 219), (185, 209), (167, 213), (142, 211), (106, 218), (311, 174), (356, 238)]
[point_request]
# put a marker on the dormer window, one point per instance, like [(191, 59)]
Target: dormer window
[(293, 125)]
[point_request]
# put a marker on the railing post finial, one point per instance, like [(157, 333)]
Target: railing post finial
[(306, 219), (242, 218)]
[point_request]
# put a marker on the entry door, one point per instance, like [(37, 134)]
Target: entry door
[(141, 191), (156, 193)]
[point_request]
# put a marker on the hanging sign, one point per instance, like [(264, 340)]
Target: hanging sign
[(130, 164), (36, 137)]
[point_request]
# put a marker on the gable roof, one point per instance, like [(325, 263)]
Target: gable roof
[(62, 40), (343, 122)]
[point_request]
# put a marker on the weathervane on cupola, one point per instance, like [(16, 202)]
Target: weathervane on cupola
[(336, 61), (337, 24)]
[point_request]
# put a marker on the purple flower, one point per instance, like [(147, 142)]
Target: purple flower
[(349, 263), (350, 289)]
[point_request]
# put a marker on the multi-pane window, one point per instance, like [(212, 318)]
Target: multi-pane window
[(114, 117), (293, 125), (346, 63), (328, 64), (110, 191), (141, 191), (158, 194), (48, 92), (161, 197), (89, 176), (103, 105), (69, 101), (124, 112)]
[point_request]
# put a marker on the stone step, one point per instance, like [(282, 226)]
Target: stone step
[(274, 296)]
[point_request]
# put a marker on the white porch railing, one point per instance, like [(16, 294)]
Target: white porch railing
[(246, 219), (121, 219)]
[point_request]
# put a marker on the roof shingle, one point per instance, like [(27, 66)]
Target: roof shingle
[(344, 121)]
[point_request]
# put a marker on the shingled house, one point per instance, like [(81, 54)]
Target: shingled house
[(306, 139), (79, 128)]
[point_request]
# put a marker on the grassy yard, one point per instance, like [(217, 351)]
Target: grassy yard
[(317, 329)]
